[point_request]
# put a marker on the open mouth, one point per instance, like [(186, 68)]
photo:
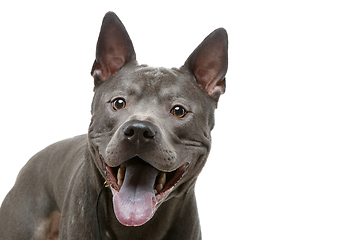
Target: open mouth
[(138, 188), (164, 180)]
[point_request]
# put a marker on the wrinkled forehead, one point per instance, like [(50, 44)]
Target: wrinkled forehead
[(150, 82)]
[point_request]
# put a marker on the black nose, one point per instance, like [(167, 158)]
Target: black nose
[(139, 132)]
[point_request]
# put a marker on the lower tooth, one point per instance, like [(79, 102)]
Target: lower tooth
[(121, 173), (120, 182), (155, 191), (162, 178), (159, 187)]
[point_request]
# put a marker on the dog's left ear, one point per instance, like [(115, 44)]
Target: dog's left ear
[(113, 50), (209, 63)]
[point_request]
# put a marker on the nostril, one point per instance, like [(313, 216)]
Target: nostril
[(129, 132), (148, 134)]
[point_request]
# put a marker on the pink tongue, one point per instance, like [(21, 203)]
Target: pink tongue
[(134, 204)]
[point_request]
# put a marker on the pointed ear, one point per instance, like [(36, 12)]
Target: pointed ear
[(113, 50), (209, 63)]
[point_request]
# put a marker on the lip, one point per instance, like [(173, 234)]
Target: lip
[(174, 178)]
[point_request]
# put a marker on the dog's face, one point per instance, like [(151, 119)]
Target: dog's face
[(150, 128)]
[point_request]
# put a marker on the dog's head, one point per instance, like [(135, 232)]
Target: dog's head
[(150, 127)]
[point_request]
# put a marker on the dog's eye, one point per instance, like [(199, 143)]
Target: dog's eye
[(118, 104), (178, 111)]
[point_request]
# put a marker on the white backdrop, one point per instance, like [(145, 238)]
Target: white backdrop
[(285, 156)]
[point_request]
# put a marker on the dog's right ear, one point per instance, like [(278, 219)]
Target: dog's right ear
[(113, 50)]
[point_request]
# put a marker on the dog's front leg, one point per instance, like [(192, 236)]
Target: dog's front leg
[(78, 220)]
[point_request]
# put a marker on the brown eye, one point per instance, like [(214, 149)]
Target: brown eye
[(178, 111), (118, 104)]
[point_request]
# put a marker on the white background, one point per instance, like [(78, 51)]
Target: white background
[(285, 156)]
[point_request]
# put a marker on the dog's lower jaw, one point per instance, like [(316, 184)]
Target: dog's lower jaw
[(148, 201)]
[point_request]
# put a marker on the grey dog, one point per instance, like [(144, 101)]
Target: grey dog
[(148, 140)]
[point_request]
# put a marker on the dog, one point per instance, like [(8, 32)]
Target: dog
[(133, 175)]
